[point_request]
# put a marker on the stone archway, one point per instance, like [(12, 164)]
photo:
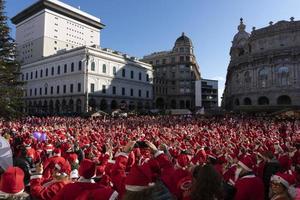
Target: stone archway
[(173, 104), (188, 104), (51, 107), (284, 100), (247, 101), (71, 105), (78, 106), (64, 106), (57, 106), (113, 105), (182, 104), (263, 101), (92, 104), (103, 104)]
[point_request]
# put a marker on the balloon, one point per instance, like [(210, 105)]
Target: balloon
[(36, 135), (43, 137)]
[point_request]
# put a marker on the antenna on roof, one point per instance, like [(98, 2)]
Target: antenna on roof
[(79, 7)]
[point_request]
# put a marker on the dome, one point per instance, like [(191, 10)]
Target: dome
[(183, 40), (241, 35)]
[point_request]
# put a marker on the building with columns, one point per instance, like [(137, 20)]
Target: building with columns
[(66, 70), (264, 70), (175, 74)]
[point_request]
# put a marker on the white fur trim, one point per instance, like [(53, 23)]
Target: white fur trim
[(84, 180), (137, 188), (231, 182), (114, 195), (122, 154), (281, 180), (9, 194), (57, 166), (249, 176), (244, 166), (158, 153), (111, 161), (36, 176)]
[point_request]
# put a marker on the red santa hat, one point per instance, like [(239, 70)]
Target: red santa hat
[(285, 179), (11, 181), (87, 169), (246, 163), (285, 162), (63, 168), (139, 178)]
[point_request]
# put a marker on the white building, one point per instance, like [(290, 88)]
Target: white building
[(70, 72), (50, 26)]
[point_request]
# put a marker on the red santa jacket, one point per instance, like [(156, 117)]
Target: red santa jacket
[(249, 187), (118, 173), (86, 190), (45, 191), (49, 165)]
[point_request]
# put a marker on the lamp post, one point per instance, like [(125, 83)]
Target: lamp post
[(86, 83)]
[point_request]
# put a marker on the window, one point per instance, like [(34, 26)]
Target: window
[(36, 74), (140, 76), (103, 68), (140, 93), (31, 75), (131, 74), (30, 92), (79, 65), (93, 66), (35, 91), (64, 89), (263, 77), (123, 73), (51, 90), (58, 69), (147, 94), (151, 62), (46, 90), (72, 67), (103, 89), (79, 87), (57, 89), (164, 61), (26, 77), (52, 71), (114, 89), (147, 77), (181, 58), (187, 58), (114, 70), (181, 49), (92, 87), (71, 88), (46, 72), (65, 68), (123, 91), (283, 76), (131, 92), (40, 91)]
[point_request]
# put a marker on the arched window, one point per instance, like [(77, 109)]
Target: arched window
[(93, 66), (263, 77), (79, 65), (284, 100), (103, 68), (114, 70), (247, 101), (237, 78), (263, 101), (283, 76)]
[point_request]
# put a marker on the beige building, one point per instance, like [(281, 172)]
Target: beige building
[(264, 70), (175, 73)]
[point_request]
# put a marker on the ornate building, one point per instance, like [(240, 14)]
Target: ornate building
[(175, 73), (264, 70)]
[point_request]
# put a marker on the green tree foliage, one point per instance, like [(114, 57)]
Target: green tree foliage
[(10, 86)]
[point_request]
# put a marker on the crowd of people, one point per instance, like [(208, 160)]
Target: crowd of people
[(152, 157)]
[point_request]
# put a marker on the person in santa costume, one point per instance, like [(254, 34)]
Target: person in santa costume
[(248, 186), (281, 188), (47, 190), (12, 185), (86, 188)]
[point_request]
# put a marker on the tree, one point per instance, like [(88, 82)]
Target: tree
[(10, 86)]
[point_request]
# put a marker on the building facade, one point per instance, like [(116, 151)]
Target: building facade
[(65, 69), (264, 70), (175, 73), (209, 93)]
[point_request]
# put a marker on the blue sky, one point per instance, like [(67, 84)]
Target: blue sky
[(140, 27)]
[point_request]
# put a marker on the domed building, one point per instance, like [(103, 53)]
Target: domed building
[(175, 73), (264, 70)]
